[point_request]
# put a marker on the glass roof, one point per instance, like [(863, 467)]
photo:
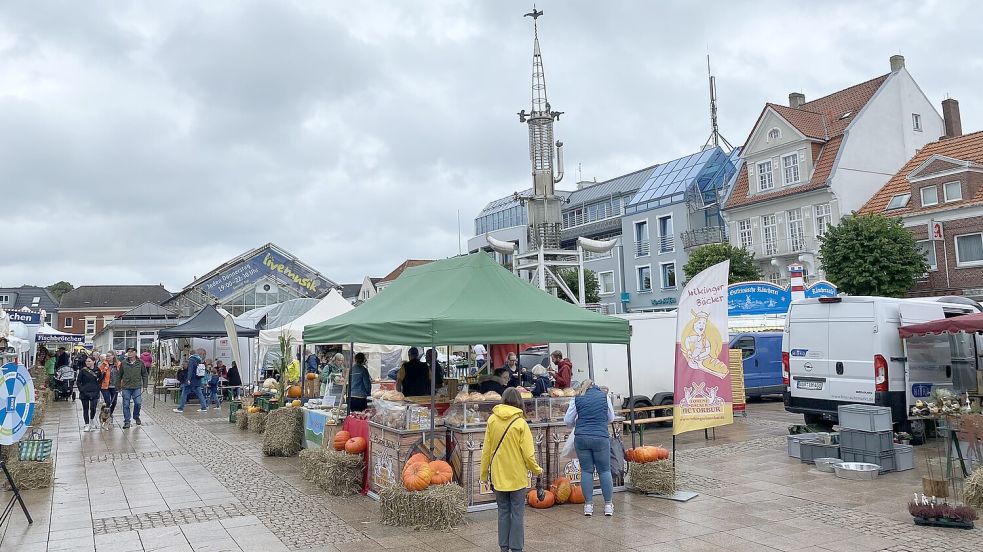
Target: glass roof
[(710, 169)]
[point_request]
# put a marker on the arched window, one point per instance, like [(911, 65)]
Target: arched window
[(774, 134)]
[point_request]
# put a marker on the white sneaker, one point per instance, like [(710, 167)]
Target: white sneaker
[(609, 509), (86, 428), (588, 510), (178, 410)]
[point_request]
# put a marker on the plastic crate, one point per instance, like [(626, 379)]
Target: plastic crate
[(811, 450), (869, 441), (904, 457), (865, 417), (233, 407), (793, 442), (885, 460)]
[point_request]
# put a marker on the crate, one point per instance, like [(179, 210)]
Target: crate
[(865, 417), (234, 406), (810, 450), (793, 442), (883, 459), (904, 457), (869, 441), (389, 449)]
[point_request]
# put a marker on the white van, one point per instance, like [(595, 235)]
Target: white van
[(840, 350)]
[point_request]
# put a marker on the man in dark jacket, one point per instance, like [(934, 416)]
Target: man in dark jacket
[(414, 376), (133, 376), (496, 382), (192, 382)]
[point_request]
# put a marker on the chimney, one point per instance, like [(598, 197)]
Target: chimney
[(795, 99), (950, 117), (897, 62)]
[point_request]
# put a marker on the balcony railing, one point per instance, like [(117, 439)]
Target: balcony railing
[(667, 244), (642, 248), (599, 308), (703, 236), (784, 246)]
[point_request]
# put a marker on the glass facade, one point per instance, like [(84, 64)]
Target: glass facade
[(708, 171), (505, 215), (592, 212)]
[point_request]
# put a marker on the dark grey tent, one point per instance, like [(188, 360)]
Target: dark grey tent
[(207, 324)]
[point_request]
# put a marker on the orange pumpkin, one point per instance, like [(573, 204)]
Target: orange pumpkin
[(311, 376), (340, 439), (630, 455), (294, 392), (547, 502), (576, 494), (417, 458), (416, 477), (561, 489), (355, 445), (442, 472)]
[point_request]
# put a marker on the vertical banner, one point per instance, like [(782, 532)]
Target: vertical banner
[(703, 393)]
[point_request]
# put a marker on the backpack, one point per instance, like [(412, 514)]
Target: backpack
[(200, 368)]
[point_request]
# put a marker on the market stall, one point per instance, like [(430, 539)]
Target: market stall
[(467, 299)]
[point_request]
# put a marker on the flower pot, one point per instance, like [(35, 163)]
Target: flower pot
[(944, 522)]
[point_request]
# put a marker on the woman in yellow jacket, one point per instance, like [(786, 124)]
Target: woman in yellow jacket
[(509, 454)]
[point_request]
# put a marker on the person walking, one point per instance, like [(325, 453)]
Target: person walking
[(133, 374), (88, 385), (109, 381), (192, 382), (360, 384), (235, 380), (213, 378), (589, 414), (506, 458), (147, 358)]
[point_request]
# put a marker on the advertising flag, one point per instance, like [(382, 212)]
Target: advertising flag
[(703, 394)]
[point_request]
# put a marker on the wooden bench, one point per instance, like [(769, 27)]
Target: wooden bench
[(640, 423)]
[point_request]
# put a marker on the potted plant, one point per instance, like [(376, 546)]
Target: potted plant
[(931, 512), (902, 437)]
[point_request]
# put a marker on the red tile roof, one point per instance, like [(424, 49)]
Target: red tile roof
[(968, 147), (820, 119), (409, 263)]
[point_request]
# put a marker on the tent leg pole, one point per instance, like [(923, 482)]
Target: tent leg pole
[(674, 451), (433, 393), (631, 403)]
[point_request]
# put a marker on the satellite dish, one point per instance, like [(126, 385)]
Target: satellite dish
[(503, 247), (596, 246)]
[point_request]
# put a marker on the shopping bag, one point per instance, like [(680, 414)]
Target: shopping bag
[(35, 448), (569, 450)]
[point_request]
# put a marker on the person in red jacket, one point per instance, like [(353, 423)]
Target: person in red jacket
[(564, 369), (147, 358)]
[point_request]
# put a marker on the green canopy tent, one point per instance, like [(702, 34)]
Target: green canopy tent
[(463, 300)]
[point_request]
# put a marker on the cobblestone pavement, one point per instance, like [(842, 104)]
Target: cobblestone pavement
[(189, 482)]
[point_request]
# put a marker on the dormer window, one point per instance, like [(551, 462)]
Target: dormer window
[(765, 181), (774, 134), (898, 201), (790, 167), (930, 196), (953, 191)]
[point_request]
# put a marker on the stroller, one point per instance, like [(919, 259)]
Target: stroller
[(64, 383)]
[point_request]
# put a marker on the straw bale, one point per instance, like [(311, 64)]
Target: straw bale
[(657, 477), (284, 434), (440, 507), (257, 422)]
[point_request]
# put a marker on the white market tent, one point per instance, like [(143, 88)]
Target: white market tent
[(330, 306)]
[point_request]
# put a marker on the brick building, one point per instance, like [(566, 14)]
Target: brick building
[(87, 309), (940, 190)]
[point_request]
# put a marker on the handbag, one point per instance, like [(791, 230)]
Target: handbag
[(569, 450), (504, 433), (35, 448)]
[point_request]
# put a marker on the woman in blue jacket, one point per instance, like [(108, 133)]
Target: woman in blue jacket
[(590, 413), (360, 384)]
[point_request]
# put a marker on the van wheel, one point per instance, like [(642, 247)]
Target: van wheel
[(816, 420), (665, 401)]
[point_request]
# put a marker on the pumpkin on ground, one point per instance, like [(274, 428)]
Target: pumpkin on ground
[(311, 376), (294, 392), (340, 439), (561, 489), (355, 445), (546, 502), (416, 477), (442, 472), (576, 494)]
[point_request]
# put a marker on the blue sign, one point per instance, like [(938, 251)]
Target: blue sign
[(768, 298), (625, 297), (920, 390), (287, 272), (17, 398), (25, 317)]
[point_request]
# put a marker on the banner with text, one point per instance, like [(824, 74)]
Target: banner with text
[(703, 393)]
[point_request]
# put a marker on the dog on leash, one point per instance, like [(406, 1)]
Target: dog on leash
[(105, 418)]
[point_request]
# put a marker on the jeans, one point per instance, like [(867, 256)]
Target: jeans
[(136, 395), (594, 452), (213, 397), (109, 398), (511, 511), (89, 409), (187, 390)]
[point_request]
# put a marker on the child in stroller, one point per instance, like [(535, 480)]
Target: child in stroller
[(63, 384)]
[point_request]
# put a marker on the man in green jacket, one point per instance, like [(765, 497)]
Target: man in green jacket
[(133, 376)]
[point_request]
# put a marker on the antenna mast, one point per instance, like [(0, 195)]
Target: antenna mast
[(715, 138)]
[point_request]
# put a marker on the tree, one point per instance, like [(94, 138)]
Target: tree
[(871, 255), (59, 289), (742, 267), (569, 276)]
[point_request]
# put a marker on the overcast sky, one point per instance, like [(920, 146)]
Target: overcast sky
[(146, 142)]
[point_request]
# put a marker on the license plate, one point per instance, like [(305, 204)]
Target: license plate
[(810, 385)]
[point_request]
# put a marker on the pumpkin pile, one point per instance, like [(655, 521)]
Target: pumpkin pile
[(650, 471), (343, 441), (284, 432), (646, 454), (561, 491), (420, 473)]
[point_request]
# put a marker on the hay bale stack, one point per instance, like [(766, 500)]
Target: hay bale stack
[(973, 489), (338, 473), (284, 434), (440, 507), (257, 422), (242, 419), (310, 462), (28, 475), (657, 477), (41, 406)]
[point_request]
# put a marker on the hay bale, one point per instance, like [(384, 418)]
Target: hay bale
[(657, 477), (338, 473), (41, 406), (973, 489), (257, 422), (284, 434), (310, 462), (440, 507), (242, 419), (28, 475)]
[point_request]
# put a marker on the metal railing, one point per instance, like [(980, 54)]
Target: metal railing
[(599, 308), (642, 248), (667, 244), (703, 236)]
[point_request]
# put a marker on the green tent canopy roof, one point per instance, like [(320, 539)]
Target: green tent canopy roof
[(464, 300)]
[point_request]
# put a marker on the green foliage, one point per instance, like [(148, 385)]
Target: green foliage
[(871, 255), (742, 267), (285, 359), (59, 289), (569, 276)]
